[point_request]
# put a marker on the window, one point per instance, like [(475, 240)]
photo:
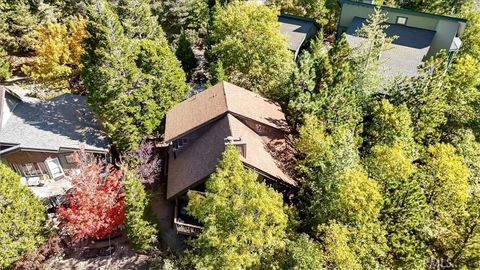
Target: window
[(402, 20), (54, 167)]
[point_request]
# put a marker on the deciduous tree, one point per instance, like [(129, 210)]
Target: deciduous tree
[(95, 203), (254, 54), (22, 218), (58, 49), (244, 220)]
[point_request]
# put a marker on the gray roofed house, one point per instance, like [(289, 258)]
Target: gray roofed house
[(420, 35), (299, 31), (406, 52), (37, 137)]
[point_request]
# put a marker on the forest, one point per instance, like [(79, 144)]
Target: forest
[(388, 167)]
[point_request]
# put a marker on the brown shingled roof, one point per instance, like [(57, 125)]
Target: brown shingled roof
[(216, 101), (200, 158)]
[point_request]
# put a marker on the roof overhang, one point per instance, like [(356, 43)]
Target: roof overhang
[(402, 10), (18, 148)]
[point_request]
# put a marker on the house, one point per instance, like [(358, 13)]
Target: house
[(420, 35), (37, 137), (299, 31), (199, 128)]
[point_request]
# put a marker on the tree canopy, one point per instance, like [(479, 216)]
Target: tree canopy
[(244, 220)]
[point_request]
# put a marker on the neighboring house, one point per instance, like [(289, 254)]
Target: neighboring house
[(199, 128), (38, 137), (420, 35), (299, 31)]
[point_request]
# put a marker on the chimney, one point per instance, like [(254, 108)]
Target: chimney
[(238, 143)]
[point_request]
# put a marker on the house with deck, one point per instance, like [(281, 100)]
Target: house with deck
[(38, 137), (419, 35), (198, 130)]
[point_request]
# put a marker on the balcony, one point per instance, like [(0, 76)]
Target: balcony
[(184, 223)]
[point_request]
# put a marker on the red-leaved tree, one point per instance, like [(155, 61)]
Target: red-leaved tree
[(95, 203)]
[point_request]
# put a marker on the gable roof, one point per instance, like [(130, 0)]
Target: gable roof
[(407, 51), (209, 105), (61, 122), (200, 158)]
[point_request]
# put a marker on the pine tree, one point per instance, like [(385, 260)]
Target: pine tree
[(244, 220), (131, 82), (185, 54), (17, 21), (137, 19), (367, 54), (140, 221), (22, 218)]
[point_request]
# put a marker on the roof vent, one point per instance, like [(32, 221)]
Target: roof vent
[(238, 143)]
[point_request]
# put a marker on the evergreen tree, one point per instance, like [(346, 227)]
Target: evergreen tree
[(303, 254), (451, 7), (425, 98), (185, 54), (188, 15), (404, 208), (321, 86), (367, 54), (338, 190), (444, 179), (254, 54), (244, 220), (17, 21), (140, 221), (131, 82), (389, 125), (22, 218), (5, 72), (218, 73), (137, 20)]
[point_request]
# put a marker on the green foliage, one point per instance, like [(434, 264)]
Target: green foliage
[(254, 54), (338, 253), (185, 54), (321, 86), (425, 98), (444, 179), (137, 20), (17, 21), (303, 254), (22, 218), (58, 48), (177, 15), (140, 222), (218, 72), (339, 190), (404, 207), (365, 56), (131, 82), (441, 7), (389, 125), (5, 72), (318, 10), (244, 220)]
